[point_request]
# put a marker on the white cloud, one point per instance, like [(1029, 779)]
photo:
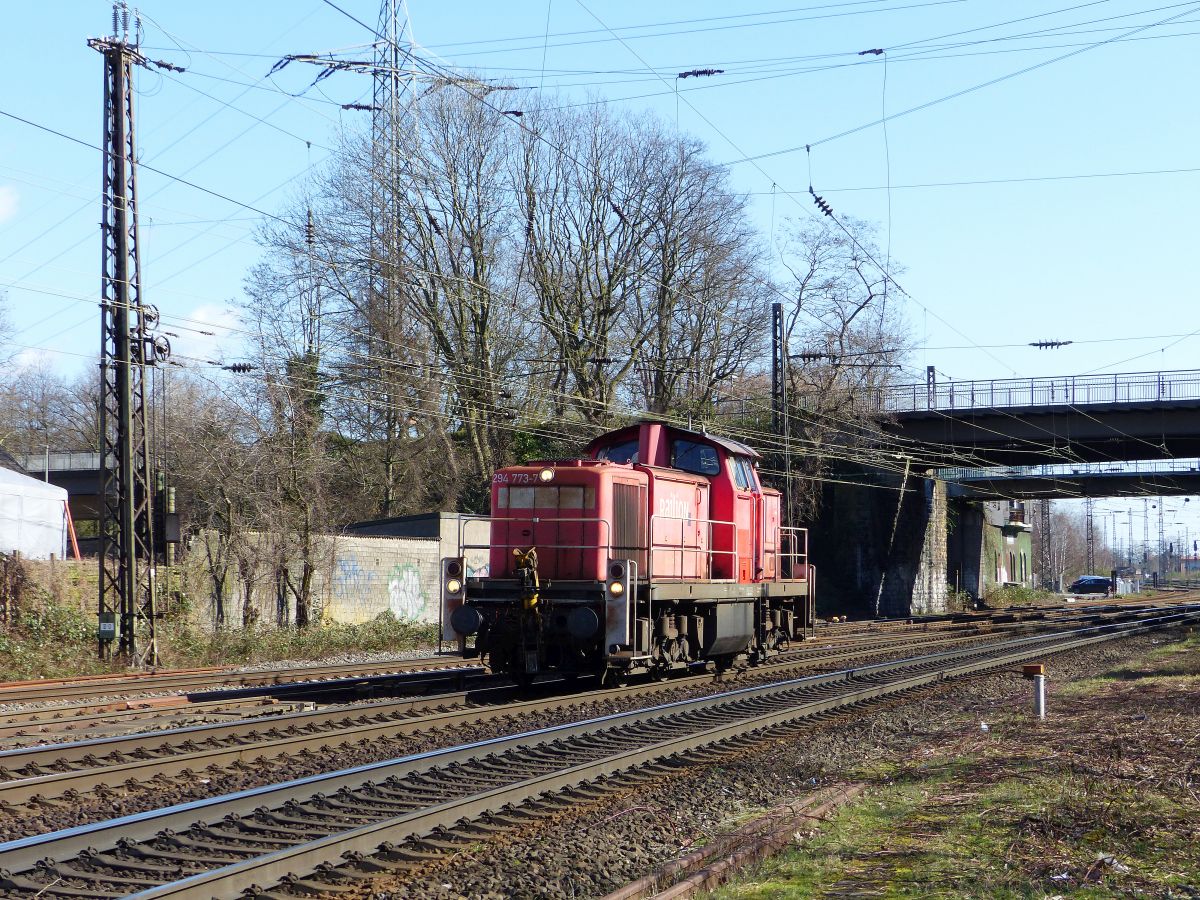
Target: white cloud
[(8, 203), (29, 360), (191, 345)]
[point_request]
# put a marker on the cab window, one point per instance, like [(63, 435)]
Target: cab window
[(620, 453), (699, 459), (747, 468), (740, 476)]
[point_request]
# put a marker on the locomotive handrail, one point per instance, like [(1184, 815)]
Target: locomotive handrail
[(796, 557), (649, 547), (681, 549), (608, 545)]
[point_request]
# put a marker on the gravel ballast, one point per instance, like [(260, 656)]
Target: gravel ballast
[(600, 846)]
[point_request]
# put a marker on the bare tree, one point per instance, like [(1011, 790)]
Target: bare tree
[(214, 453), (286, 313), (585, 184), (704, 305), (846, 334)]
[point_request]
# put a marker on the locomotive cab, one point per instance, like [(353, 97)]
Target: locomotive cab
[(659, 550)]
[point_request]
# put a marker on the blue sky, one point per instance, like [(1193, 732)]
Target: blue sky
[(1106, 262)]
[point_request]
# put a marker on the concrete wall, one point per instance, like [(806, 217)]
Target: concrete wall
[(866, 555), (372, 575), (357, 579)]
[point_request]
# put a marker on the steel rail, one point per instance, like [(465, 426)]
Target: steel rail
[(48, 771), (173, 752), (525, 764), (28, 722), (106, 685), (310, 857)]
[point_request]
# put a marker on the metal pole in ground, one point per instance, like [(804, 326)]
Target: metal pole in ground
[(1036, 672)]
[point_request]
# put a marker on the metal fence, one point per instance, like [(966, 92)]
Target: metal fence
[(1068, 390), (1072, 470), (75, 461)]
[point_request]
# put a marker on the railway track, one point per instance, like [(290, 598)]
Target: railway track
[(45, 772), (126, 684), (49, 771), (76, 714), (289, 834), (23, 725)]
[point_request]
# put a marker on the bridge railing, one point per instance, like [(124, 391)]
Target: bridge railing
[(1072, 470), (1069, 390), (60, 461)]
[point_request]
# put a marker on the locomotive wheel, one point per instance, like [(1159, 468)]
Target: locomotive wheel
[(614, 678)]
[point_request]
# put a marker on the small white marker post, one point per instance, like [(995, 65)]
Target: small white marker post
[(1037, 674)]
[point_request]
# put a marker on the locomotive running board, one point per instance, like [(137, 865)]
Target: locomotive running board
[(727, 590)]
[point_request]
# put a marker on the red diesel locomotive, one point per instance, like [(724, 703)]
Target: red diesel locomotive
[(659, 550)]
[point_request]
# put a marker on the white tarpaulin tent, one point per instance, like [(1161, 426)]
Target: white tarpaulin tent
[(33, 516)]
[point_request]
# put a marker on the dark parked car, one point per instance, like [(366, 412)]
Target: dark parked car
[(1091, 584)]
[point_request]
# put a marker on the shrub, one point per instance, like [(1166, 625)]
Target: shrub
[(1015, 595)]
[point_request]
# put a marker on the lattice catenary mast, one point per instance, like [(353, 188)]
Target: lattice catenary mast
[(127, 573), (1045, 547), (385, 301)]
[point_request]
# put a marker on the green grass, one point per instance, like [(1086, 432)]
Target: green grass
[(183, 644), (56, 639), (1031, 810)]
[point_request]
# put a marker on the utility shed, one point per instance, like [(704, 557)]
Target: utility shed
[(459, 534), (33, 516)]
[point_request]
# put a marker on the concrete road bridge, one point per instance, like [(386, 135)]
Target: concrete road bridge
[(1136, 478), (1067, 419), (985, 443)]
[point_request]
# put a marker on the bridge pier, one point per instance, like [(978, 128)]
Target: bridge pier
[(880, 546)]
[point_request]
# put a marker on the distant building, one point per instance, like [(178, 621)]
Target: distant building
[(459, 534), (990, 547)]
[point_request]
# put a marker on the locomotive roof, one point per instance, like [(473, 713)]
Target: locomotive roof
[(727, 443)]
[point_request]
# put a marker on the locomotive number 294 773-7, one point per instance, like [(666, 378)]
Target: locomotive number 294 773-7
[(514, 478)]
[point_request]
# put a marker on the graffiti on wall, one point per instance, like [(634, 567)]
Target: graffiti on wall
[(350, 579), (406, 599)]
